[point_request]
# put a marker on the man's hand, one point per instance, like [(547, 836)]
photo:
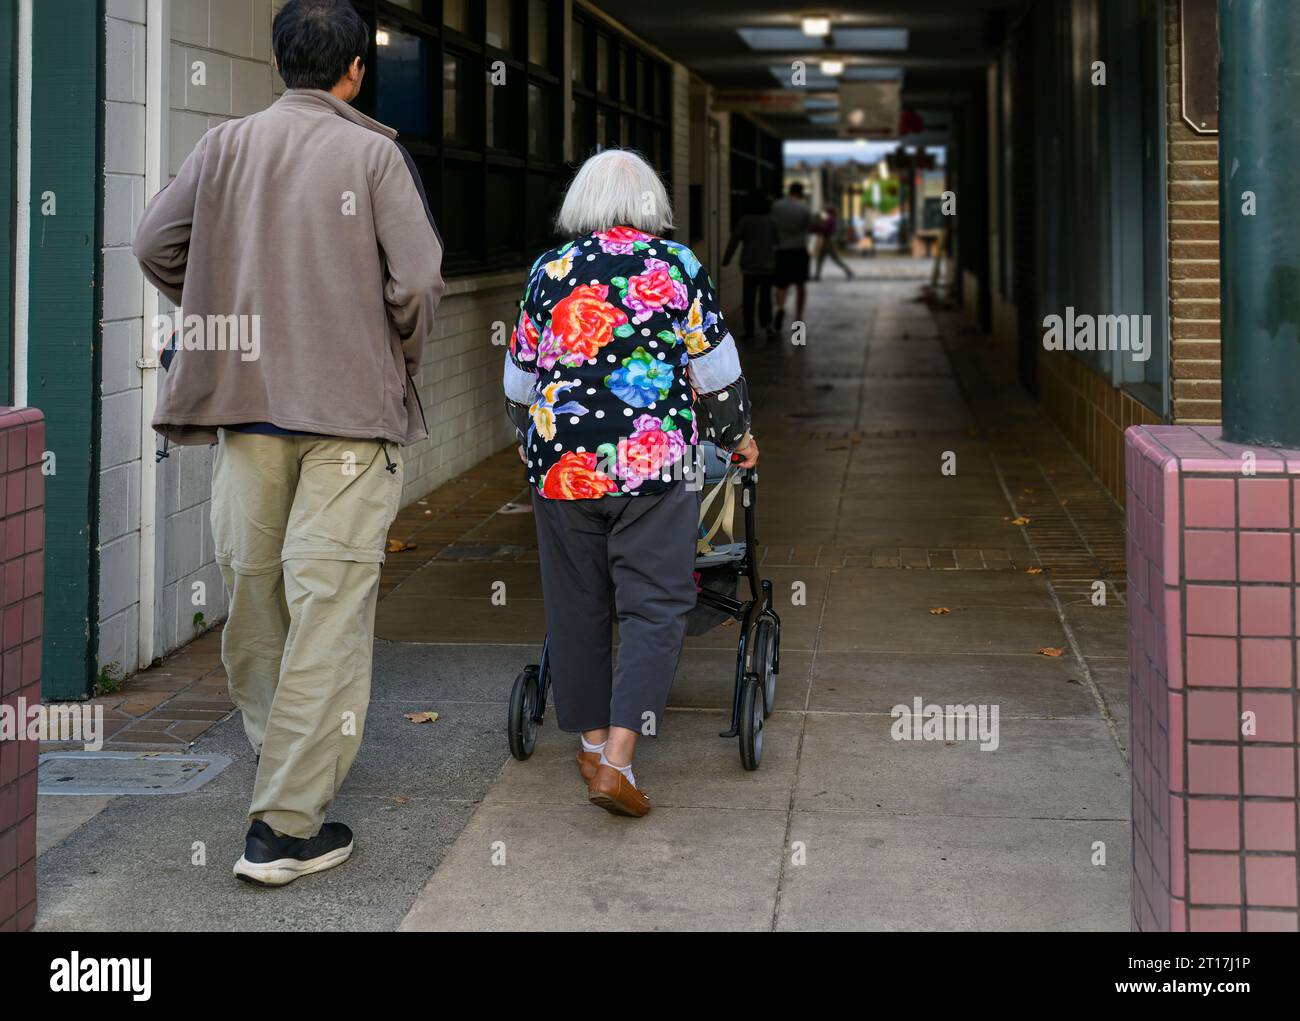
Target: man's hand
[(522, 456), (747, 452)]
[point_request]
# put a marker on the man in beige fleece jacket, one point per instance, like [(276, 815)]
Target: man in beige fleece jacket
[(305, 266)]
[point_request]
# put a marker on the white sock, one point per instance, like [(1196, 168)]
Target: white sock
[(625, 770), (591, 747)]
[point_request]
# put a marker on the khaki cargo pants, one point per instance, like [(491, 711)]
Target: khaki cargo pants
[(299, 524)]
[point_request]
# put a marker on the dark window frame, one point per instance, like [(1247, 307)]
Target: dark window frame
[(631, 121), (532, 183)]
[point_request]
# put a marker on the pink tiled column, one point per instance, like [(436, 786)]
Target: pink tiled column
[(1213, 561), (22, 575)]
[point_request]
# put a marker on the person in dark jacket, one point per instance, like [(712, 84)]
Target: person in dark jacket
[(755, 235)]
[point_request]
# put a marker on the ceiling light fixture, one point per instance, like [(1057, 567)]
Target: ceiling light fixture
[(832, 67), (381, 38), (817, 24)]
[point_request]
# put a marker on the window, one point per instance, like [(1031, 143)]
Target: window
[(757, 160), (578, 55), (541, 132), (498, 24), (501, 104), (455, 15), (476, 100), (457, 108), (402, 96), (539, 36)]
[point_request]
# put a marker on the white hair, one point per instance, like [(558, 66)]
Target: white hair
[(615, 188)]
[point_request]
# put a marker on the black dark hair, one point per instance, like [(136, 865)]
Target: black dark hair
[(796, 188), (756, 203), (315, 42)]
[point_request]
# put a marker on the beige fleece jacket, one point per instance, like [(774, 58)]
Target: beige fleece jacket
[(306, 224)]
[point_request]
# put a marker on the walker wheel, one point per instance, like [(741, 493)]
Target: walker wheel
[(765, 662), (521, 723), (751, 723)]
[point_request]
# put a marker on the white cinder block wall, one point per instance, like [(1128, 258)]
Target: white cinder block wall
[(120, 337)]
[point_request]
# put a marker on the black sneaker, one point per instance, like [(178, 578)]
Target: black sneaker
[(274, 861)]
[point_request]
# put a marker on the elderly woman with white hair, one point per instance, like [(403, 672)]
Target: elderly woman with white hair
[(618, 365)]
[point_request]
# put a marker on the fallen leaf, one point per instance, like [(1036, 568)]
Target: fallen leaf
[(1022, 520), (397, 546), (400, 799), (1048, 650), (938, 610), (1033, 570), (424, 717)]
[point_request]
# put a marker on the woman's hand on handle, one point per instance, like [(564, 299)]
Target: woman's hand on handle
[(746, 454)]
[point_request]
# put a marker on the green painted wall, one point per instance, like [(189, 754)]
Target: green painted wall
[(8, 27), (67, 62)]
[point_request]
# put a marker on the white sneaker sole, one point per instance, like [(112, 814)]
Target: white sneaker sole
[(286, 870)]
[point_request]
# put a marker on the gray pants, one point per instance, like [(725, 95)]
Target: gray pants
[(634, 556)]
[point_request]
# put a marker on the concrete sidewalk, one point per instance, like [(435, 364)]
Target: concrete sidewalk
[(842, 826)]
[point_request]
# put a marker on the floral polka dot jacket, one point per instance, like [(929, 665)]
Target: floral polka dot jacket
[(619, 363)]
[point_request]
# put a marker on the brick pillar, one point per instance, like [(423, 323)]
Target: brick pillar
[(22, 574), (1213, 561)]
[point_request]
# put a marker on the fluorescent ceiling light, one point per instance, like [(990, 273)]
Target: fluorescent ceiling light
[(817, 25), (870, 39), (789, 40), (381, 38), (832, 67)]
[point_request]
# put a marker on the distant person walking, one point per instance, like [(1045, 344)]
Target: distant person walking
[(828, 242), (308, 220), (794, 221), (755, 235)]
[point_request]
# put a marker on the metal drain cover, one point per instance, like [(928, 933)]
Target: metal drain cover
[(101, 773)]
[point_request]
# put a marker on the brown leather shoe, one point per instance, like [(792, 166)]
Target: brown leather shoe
[(610, 789), (587, 763)]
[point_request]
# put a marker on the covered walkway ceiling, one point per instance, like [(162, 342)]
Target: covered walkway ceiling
[(939, 54)]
